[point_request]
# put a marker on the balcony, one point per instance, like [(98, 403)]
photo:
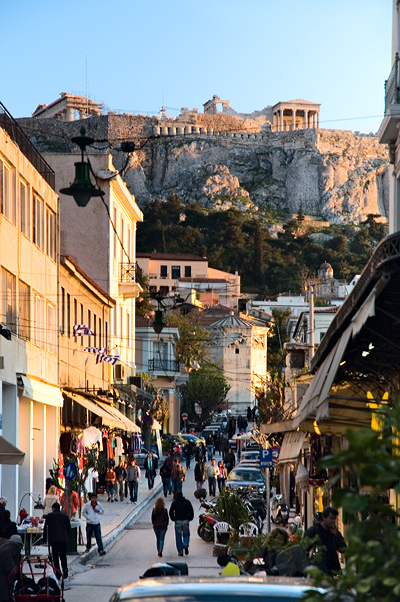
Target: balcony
[(388, 131), (164, 366), (130, 280)]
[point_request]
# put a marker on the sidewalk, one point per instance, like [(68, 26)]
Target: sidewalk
[(116, 517)]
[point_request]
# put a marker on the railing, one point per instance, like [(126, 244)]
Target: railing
[(130, 272), (392, 89), (160, 365), (17, 135)]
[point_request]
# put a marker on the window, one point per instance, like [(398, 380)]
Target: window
[(9, 302), (106, 335), (51, 329), (89, 319), (236, 350), (68, 315), (50, 233), (120, 322), (115, 320), (115, 232), (164, 290), (7, 191), (188, 271), (38, 330), (81, 322), (128, 245), (76, 316), (122, 240), (94, 330), (24, 209), (175, 271), (128, 335), (24, 313), (37, 221), (99, 333), (62, 329), (163, 271)]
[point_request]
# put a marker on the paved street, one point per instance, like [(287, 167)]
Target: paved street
[(134, 551)]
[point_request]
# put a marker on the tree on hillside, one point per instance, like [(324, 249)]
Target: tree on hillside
[(207, 387), (258, 258)]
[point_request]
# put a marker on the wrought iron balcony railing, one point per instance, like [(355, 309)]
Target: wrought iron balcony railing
[(17, 135), (160, 365), (392, 87), (130, 272)]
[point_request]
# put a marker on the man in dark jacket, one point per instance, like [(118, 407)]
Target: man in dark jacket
[(330, 537), (120, 473), (10, 555), (57, 528), (200, 470), (181, 513)]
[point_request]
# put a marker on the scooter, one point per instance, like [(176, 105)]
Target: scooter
[(279, 510), (208, 519)]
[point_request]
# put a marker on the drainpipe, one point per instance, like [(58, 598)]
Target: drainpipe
[(311, 323)]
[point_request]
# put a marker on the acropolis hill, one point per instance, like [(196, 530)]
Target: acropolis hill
[(274, 159)]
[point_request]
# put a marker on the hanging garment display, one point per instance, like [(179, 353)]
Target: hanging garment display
[(119, 450), (90, 436)]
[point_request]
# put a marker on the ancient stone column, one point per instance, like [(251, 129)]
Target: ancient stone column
[(317, 120), (293, 119), (305, 119)]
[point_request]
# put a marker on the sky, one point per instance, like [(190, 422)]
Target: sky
[(138, 55)]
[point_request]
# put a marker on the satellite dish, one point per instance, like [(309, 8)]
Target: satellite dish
[(105, 174)]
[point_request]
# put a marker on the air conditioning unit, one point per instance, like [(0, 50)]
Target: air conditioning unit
[(137, 381), (119, 372)]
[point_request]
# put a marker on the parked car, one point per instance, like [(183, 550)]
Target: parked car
[(250, 457), (220, 419), (246, 478), (216, 429), (182, 438), (218, 589), (141, 456)]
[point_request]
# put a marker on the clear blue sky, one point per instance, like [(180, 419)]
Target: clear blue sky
[(251, 52)]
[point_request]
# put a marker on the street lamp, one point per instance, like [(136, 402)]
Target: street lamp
[(158, 323), (38, 503), (82, 188)]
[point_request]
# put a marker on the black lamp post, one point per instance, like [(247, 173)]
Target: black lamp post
[(82, 188), (158, 323)]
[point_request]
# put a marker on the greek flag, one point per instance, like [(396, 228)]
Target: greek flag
[(100, 350), (111, 359), (80, 329)]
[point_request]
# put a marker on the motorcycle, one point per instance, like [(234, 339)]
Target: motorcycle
[(208, 519), (279, 510)]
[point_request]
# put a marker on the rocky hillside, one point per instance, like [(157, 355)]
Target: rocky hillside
[(333, 174)]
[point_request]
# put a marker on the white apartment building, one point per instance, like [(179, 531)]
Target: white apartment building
[(30, 398)]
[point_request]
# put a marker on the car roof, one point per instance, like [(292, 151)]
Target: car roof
[(289, 588)]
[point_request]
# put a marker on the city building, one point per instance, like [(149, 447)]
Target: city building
[(30, 398), (239, 347), (180, 274)]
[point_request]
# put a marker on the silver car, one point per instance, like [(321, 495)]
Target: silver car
[(141, 456), (246, 478), (214, 589)]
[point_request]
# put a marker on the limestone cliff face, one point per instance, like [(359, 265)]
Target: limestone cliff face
[(333, 174)]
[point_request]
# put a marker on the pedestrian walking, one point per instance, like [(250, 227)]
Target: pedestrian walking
[(120, 473), (110, 484), (222, 474), (181, 513), (249, 414), (188, 452), (56, 531), (178, 475), (50, 498), (165, 474), (133, 476), (160, 520), (7, 527), (200, 470), (210, 446), (200, 451), (92, 511), (150, 465), (10, 556), (170, 462), (223, 445), (212, 474), (229, 460)]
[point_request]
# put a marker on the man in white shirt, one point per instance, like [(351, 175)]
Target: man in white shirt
[(92, 511)]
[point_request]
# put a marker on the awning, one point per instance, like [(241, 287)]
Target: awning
[(291, 446), (9, 454), (107, 418), (129, 425), (42, 392), (277, 427)]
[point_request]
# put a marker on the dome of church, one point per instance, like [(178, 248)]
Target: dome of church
[(325, 270)]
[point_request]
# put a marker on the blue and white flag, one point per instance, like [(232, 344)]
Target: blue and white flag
[(111, 359), (80, 329), (100, 350)]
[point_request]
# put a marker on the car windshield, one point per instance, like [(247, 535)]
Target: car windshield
[(249, 476), (251, 455)]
